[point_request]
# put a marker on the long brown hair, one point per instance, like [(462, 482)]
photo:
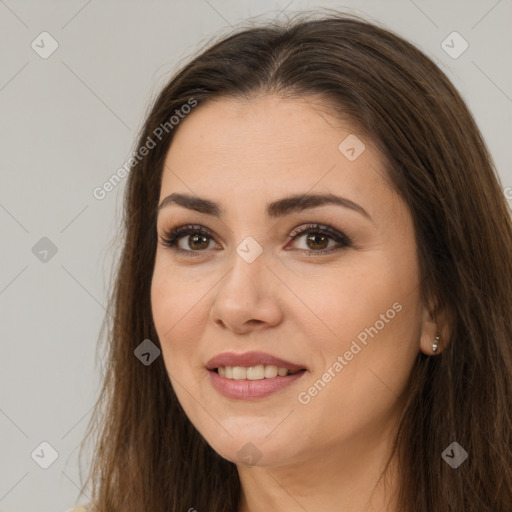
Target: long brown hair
[(148, 456)]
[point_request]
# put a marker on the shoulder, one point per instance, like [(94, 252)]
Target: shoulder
[(80, 508)]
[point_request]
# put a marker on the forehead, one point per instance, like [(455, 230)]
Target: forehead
[(268, 145)]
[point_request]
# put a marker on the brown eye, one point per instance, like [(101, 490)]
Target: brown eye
[(197, 239), (201, 241), (317, 241), (317, 238)]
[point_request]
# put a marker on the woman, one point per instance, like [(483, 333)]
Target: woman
[(313, 308)]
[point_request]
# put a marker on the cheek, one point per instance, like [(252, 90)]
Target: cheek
[(352, 298), (374, 317), (357, 389), (173, 304)]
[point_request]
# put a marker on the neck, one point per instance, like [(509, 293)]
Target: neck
[(348, 477)]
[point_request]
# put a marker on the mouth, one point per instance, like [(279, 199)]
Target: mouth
[(259, 372), (252, 374)]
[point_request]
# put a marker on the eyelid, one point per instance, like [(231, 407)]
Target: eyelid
[(171, 236), (322, 228)]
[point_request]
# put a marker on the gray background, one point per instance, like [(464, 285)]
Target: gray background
[(69, 122)]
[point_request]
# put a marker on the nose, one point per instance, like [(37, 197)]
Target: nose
[(247, 297)]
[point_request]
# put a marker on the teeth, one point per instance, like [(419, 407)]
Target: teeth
[(267, 371), (255, 372), (239, 373), (270, 371)]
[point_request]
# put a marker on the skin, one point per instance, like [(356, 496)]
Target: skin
[(326, 454)]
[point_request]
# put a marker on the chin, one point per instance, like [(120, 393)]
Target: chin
[(252, 446)]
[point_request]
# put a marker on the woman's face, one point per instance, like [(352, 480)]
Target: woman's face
[(263, 289)]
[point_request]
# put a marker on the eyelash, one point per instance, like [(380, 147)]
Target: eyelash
[(171, 237)]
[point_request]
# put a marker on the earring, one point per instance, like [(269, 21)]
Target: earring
[(436, 342)]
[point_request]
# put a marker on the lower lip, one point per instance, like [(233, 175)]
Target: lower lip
[(248, 389)]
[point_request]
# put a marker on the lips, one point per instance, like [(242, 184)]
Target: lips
[(249, 359), (252, 375)]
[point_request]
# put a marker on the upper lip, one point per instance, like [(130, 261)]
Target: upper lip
[(250, 359)]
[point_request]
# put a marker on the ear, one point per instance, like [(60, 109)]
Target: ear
[(435, 320)]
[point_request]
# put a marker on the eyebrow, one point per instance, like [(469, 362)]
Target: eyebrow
[(279, 208)]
